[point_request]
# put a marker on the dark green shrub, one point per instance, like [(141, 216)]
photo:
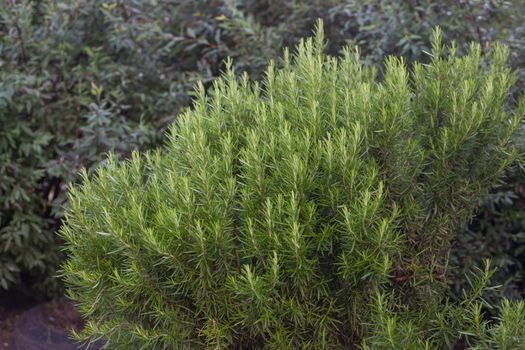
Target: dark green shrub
[(62, 105), (312, 211), (497, 232)]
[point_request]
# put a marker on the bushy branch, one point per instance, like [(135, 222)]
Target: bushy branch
[(312, 210)]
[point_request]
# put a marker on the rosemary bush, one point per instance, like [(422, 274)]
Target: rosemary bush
[(313, 210)]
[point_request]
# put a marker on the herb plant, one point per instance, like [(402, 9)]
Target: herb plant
[(312, 210)]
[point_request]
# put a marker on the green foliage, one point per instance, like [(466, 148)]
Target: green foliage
[(448, 325), (403, 27), (313, 210), (60, 110), (81, 78), (497, 232)]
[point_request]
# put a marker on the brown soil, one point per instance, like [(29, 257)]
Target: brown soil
[(11, 307), (60, 314)]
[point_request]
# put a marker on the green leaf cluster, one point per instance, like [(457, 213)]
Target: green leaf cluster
[(312, 210)]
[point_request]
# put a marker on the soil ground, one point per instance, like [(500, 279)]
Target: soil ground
[(60, 314), (11, 307)]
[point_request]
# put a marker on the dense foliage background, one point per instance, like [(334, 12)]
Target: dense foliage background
[(81, 78)]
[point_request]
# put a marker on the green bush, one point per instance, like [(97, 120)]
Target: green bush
[(81, 78), (313, 210)]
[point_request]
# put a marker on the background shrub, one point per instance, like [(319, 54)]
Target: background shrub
[(278, 211), (81, 78), (497, 232)]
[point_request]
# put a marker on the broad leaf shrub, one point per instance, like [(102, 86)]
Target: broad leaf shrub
[(313, 210)]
